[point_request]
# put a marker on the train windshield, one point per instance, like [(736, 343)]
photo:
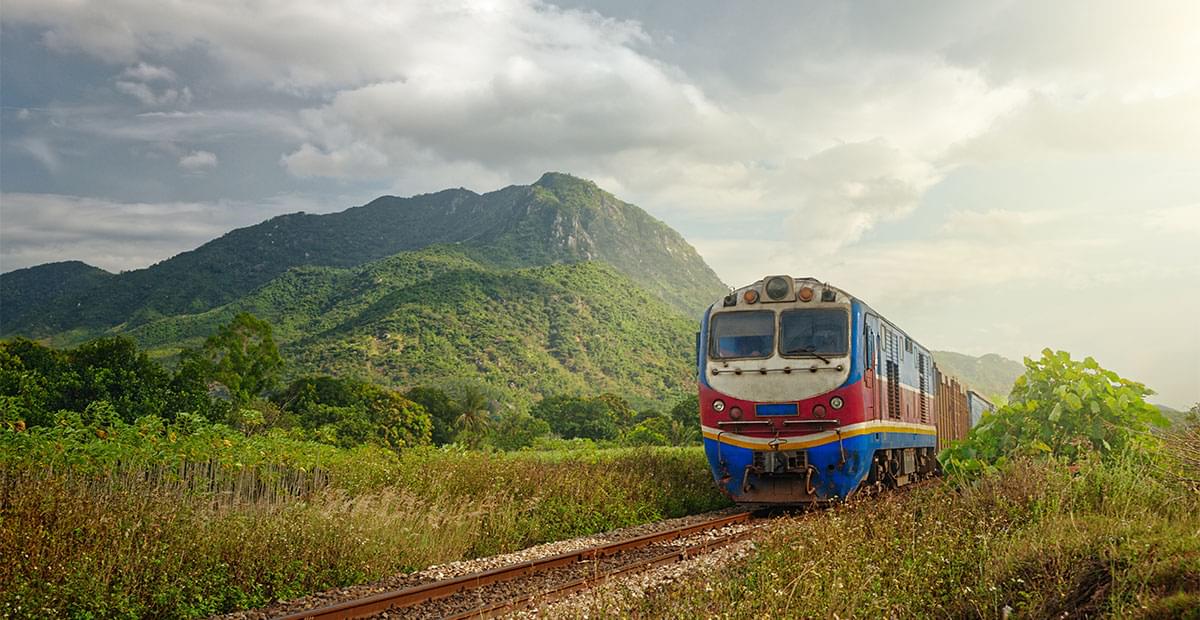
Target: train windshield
[(820, 331), (742, 334)]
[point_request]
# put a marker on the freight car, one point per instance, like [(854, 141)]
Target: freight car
[(808, 395)]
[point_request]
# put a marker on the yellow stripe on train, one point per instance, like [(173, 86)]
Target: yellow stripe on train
[(817, 439)]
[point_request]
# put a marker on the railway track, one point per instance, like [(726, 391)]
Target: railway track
[(533, 583), (499, 591)]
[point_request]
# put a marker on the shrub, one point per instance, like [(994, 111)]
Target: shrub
[(1060, 408)]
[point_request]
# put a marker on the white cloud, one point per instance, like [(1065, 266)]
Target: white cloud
[(1058, 128), (148, 96), (1004, 224), (972, 154), (41, 150), (1078, 46), (533, 87), (1172, 221), (198, 161), (138, 82), (143, 72)]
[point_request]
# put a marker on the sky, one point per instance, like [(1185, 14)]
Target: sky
[(993, 176)]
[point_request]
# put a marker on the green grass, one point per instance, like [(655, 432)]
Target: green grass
[(1110, 540), (123, 527)]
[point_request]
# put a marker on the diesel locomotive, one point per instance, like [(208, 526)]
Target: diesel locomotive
[(808, 395)]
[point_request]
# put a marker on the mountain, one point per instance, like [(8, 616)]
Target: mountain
[(435, 315), (23, 291), (558, 219), (991, 375), (553, 288)]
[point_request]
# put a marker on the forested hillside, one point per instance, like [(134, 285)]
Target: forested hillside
[(558, 219), (434, 315), (28, 289)]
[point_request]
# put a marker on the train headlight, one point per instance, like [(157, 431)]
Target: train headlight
[(735, 413), (806, 294), (777, 288), (836, 402), (819, 411), (718, 406), (751, 296)]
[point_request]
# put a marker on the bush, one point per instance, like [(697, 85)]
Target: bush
[(354, 412), (1061, 408)]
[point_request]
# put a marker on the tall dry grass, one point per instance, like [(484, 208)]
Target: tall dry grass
[(1038, 541), (193, 539)]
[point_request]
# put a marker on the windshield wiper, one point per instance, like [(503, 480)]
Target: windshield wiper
[(811, 351)]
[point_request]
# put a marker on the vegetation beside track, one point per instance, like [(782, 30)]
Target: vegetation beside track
[(153, 521), (1118, 539), (1062, 503)]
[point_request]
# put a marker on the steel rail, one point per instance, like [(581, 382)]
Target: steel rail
[(399, 599), (526, 601)]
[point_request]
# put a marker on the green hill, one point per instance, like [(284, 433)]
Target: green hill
[(558, 219), (24, 290), (990, 375), (553, 288), (436, 315)]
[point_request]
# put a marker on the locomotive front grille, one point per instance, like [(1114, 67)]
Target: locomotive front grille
[(781, 461)]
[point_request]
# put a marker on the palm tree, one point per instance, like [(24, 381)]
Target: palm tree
[(474, 415), (681, 434)]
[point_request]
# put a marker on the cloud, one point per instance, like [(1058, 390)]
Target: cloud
[(947, 159), (143, 72), (138, 83), (1172, 221), (844, 191), (288, 44), (198, 161), (157, 126), (1078, 46), (1004, 224), (41, 228), (1056, 127), (147, 95), (541, 86), (40, 149)]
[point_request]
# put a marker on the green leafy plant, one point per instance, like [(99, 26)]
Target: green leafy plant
[(1060, 408)]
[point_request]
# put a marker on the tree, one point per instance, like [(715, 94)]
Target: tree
[(349, 412), (242, 356), (649, 432), (687, 410), (573, 416), (114, 370), (474, 414), (32, 382), (514, 430), (442, 412), (1061, 408), (680, 434), (619, 410)]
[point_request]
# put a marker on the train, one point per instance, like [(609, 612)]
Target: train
[(808, 395)]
